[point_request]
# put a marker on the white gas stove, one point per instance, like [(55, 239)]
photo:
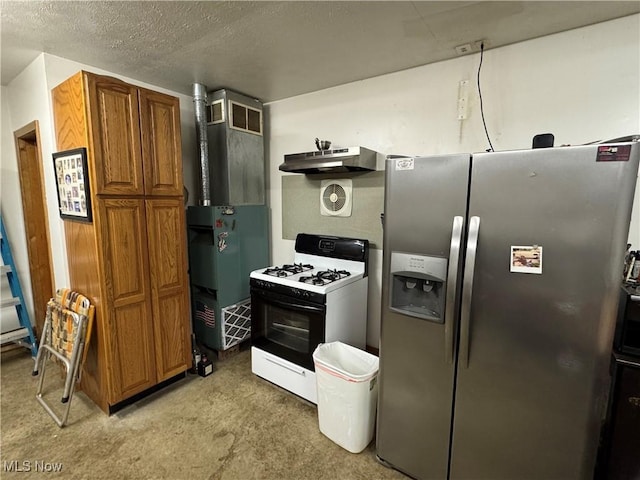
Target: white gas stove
[(316, 274), (321, 297)]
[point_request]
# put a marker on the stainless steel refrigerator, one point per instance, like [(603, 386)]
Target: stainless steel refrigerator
[(501, 277)]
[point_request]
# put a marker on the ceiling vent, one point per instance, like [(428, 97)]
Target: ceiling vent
[(335, 198)]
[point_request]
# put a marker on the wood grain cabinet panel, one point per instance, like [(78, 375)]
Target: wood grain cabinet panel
[(131, 260), (133, 363), (170, 298), (161, 143), (115, 128), (124, 245), (69, 113), (124, 238)]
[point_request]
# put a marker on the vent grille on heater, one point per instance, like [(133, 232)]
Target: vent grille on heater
[(245, 118), (335, 198), (236, 323), (215, 112)]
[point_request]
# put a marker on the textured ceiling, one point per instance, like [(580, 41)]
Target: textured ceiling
[(273, 50)]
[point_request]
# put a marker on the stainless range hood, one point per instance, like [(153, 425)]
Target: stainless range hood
[(352, 159)]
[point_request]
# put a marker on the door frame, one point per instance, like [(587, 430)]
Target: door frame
[(35, 217)]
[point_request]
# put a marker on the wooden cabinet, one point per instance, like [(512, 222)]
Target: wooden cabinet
[(136, 138), (131, 261), (169, 299), (161, 143)]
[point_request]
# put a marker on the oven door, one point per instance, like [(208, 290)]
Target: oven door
[(287, 327)]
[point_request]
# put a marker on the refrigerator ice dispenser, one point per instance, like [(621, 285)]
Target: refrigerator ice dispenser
[(418, 286)]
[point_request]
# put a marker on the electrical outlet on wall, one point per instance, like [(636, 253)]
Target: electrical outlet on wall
[(471, 47), (463, 49)]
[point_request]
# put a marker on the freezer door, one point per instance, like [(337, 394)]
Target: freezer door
[(425, 204), (532, 378)]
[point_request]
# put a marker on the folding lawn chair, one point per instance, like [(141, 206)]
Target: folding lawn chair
[(65, 336)]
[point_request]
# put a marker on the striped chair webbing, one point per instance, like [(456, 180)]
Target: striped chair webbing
[(73, 301), (64, 326)]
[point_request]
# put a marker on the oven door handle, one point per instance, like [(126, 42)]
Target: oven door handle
[(291, 305), (294, 370)]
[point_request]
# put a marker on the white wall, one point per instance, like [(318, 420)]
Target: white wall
[(582, 85), (21, 106), (8, 176), (28, 98)]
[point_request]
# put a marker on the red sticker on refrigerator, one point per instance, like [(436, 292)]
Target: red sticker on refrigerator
[(613, 153)]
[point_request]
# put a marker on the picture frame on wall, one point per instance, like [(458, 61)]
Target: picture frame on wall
[(72, 181)]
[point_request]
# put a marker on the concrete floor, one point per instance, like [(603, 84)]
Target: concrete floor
[(229, 425)]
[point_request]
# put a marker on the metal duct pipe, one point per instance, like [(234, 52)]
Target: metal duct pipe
[(200, 105)]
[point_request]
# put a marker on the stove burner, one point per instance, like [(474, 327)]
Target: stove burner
[(325, 277), (277, 272), (297, 267), (288, 270), (314, 280)]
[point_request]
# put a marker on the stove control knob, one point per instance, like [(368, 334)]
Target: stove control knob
[(263, 284)]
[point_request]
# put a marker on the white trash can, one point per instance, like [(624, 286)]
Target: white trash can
[(347, 384)]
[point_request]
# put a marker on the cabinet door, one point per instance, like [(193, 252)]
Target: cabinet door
[(115, 132), (161, 143), (169, 286), (124, 244)]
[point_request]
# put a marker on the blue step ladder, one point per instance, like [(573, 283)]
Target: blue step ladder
[(24, 335)]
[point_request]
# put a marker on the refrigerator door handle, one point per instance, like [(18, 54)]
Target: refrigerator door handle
[(452, 284), (467, 290)]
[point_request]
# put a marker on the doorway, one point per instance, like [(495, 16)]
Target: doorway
[(36, 223)]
